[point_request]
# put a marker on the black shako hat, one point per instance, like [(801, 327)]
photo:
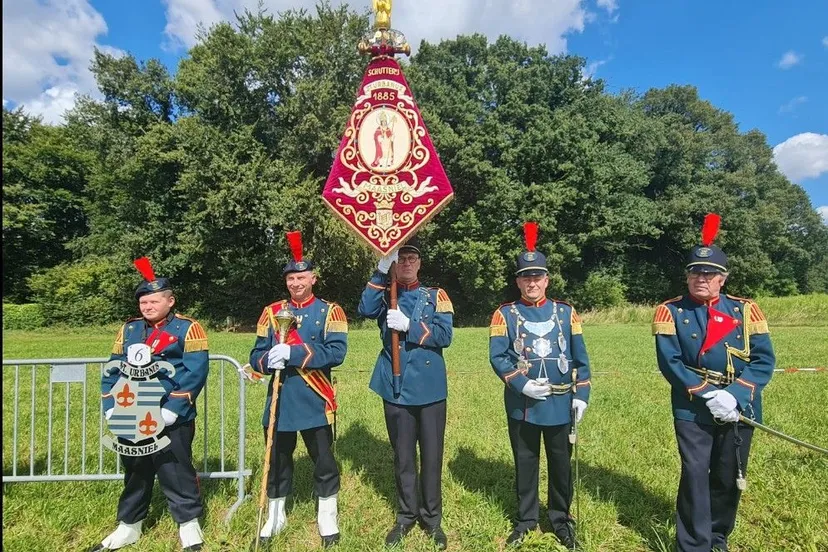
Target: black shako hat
[(531, 262), (708, 257), (298, 263), (151, 284)]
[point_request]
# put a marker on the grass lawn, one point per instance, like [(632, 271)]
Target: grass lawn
[(629, 463)]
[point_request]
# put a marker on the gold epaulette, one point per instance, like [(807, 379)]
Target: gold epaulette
[(196, 338), (663, 321), (757, 324), (263, 324), (118, 346), (443, 302), (336, 321), (497, 328), (575, 322)]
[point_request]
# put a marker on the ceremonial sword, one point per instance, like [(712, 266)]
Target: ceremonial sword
[(781, 435)]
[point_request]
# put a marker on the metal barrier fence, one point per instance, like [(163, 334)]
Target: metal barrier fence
[(83, 459)]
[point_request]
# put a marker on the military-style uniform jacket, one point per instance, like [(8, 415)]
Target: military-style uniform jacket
[(721, 344), (422, 367), (317, 343), (526, 339), (177, 339)]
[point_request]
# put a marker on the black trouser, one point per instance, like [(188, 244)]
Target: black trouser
[(707, 494), (176, 475), (408, 425), (525, 439), (318, 441)]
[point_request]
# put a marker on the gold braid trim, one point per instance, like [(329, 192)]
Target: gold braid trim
[(663, 322), (336, 321), (196, 339), (497, 328), (575, 322), (757, 323), (118, 346), (443, 302), (263, 324)]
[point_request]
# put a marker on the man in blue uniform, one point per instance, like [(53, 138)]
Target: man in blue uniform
[(424, 318), (180, 341), (537, 348), (306, 401), (715, 351)]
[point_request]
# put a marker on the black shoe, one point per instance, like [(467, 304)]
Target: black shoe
[(194, 548), (517, 535), (395, 536), (566, 534), (330, 540), (438, 536)]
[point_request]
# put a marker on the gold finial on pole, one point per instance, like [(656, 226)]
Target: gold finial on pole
[(382, 15), (382, 40)]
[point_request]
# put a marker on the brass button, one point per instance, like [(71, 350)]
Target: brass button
[(317, 322), (321, 310), (522, 335), (694, 336), (313, 337), (686, 321), (736, 309), (428, 362), (727, 344), (528, 349), (738, 336), (681, 309)]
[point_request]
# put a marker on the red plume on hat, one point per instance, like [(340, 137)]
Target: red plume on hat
[(530, 235), (295, 241), (710, 228), (145, 268)]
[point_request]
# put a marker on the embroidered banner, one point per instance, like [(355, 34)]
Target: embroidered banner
[(386, 180)]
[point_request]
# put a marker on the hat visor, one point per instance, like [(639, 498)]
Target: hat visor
[(410, 249), (532, 271), (705, 268)]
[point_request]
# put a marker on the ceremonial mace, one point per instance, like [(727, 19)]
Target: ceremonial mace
[(281, 322)]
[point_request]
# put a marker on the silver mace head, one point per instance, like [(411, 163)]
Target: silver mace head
[(284, 321)]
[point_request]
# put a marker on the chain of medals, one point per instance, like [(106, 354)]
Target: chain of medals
[(540, 343)]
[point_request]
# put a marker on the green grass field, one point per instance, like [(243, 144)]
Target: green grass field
[(629, 463)]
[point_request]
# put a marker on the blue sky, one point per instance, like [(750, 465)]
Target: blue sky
[(764, 62)]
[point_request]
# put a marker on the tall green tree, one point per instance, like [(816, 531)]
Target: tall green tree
[(44, 177)]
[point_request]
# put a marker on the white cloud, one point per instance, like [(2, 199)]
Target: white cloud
[(793, 104), (789, 59), (47, 48), (802, 156), (609, 5), (533, 21), (592, 67), (823, 212)]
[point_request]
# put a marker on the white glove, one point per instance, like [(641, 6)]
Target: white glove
[(396, 320), (384, 264), (169, 416), (722, 405), (108, 413), (278, 356), (579, 407), (535, 390)]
